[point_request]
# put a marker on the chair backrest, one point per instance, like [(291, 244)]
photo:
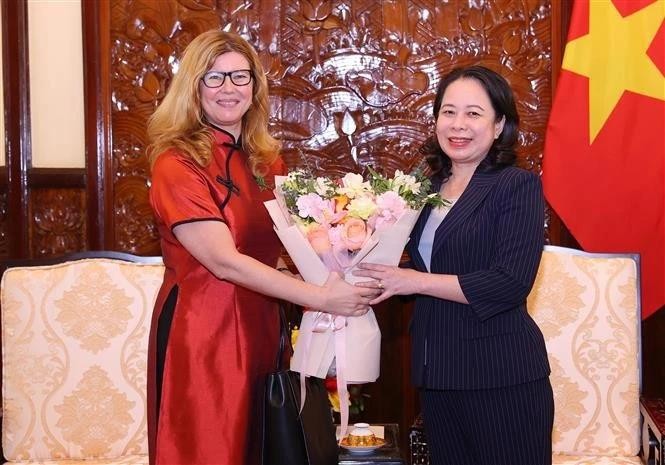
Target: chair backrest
[(587, 306), (74, 353)]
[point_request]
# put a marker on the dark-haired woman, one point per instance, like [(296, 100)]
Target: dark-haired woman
[(478, 358)]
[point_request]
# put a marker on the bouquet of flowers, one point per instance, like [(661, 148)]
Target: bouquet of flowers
[(333, 225), (338, 217)]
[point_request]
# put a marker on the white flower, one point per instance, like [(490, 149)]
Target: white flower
[(295, 182), (405, 183), (323, 186), (353, 185), (295, 175)]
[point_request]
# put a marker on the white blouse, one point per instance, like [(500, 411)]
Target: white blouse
[(427, 239)]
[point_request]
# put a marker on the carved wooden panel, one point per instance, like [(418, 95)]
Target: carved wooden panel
[(58, 221), (352, 81)]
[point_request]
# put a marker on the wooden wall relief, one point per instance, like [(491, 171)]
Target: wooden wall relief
[(58, 221), (352, 82)]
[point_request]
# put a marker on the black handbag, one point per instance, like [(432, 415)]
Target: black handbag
[(290, 437)]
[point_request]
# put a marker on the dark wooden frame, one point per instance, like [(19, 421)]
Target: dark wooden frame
[(56, 178), (16, 84), (18, 176), (74, 256), (96, 16)]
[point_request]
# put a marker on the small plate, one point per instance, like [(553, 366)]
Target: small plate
[(363, 449)]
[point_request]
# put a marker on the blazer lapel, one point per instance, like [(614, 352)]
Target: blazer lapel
[(480, 185)]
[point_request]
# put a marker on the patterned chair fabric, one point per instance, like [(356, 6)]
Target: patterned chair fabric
[(74, 354), (587, 306)]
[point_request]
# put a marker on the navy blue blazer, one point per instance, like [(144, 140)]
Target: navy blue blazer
[(492, 239)]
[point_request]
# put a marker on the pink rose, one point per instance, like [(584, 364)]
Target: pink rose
[(318, 237), (354, 233)]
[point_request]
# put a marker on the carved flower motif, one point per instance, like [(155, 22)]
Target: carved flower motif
[(107, 314), (317, 15), (96, 414), (316, 10)]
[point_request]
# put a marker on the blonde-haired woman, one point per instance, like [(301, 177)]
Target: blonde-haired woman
[(215, 326)]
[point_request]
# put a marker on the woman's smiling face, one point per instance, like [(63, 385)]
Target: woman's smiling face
[(466, 125), (225, 106)]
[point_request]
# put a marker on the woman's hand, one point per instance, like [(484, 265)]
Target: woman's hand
[(342, 298), (387, 280)]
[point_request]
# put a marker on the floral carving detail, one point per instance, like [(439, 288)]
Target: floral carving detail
[(387, 85), (96, 414), (59, 217), (318, 15), (107, 314)]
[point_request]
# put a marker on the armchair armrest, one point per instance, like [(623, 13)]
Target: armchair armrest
[(653, 430)]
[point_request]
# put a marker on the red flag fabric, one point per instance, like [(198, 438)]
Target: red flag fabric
[(605, 143)]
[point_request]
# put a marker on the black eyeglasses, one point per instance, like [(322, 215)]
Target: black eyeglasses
[(239, 77)]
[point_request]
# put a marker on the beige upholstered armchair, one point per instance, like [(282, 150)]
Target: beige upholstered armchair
[(587, 306), (74, 354)]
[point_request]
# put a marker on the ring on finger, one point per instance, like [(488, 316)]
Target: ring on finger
[(380, 284)]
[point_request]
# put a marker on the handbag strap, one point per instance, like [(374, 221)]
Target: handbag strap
[(283, 338)]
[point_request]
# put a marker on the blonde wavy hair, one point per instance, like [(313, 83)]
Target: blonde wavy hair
[(179, 122)]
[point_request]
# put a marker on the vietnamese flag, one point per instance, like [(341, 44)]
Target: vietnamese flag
[(605, 144)]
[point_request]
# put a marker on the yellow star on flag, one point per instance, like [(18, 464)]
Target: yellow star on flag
[(613, 55)]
